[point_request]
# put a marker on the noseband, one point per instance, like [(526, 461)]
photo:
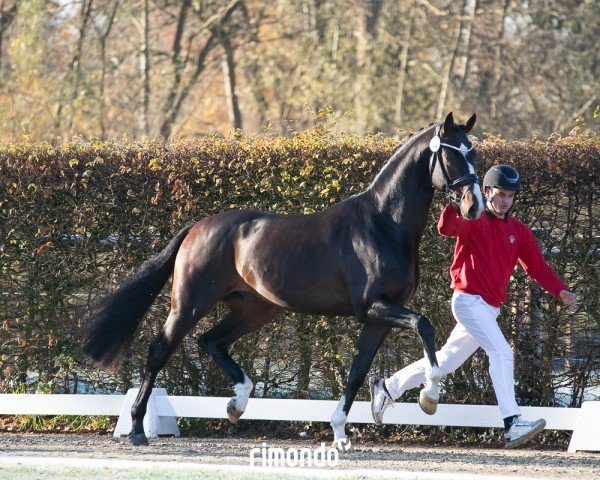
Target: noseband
[(435, 146)]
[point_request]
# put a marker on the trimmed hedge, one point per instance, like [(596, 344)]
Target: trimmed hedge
[(76, 218)]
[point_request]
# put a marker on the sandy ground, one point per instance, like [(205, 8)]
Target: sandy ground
[(526, 463)]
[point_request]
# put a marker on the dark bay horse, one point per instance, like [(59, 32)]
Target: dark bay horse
[(359, 257)]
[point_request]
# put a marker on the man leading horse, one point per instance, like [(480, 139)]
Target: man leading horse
[(485, 256)]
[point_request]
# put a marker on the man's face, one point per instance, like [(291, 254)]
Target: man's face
[(499, 200)]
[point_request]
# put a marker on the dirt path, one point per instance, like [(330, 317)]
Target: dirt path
[(525, 463)]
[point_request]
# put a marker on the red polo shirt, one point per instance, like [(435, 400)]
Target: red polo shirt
[(486, 252)]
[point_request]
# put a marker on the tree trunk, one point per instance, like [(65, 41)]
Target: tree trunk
[(103, 41), (366, 31), (464, 68), (178, 64), (497, 59), (6, 18), (498, 56), (2, 20), (253, 71), (228, 66), (406, 41), (75, 66), (145, 70), (361, 81), (449, 68)]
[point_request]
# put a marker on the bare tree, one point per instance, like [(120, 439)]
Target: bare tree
[(8, 12), (251, 66), (491, 74), (366, 30), (145, 68), (180, 90), (75, 69), (404, 49), (463, 30), (103, 36), (463, 67), (228, 66)]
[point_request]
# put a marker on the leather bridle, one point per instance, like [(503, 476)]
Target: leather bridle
[(435, 145)]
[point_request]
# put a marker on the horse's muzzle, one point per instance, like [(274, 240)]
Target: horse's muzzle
[(471, 203)]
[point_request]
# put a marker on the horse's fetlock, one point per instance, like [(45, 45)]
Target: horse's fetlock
[(434, 374), (244, 387)]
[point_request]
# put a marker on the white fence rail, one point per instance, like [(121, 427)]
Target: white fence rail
[(163, 410)]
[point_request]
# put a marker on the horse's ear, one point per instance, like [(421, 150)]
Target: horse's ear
[(470, 122), (448, 123)]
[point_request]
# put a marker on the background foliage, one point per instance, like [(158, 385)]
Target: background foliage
[(77, 217), (192, 67)]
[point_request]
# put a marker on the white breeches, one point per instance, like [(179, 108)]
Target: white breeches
[(476, 327)]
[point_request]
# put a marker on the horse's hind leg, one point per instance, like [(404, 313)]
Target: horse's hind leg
[(247, 315), (178, 324)]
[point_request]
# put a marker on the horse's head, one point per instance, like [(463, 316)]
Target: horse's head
[(452, 165)]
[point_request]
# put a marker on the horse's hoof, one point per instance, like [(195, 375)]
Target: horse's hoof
[(428, 405), (342, 445), (232, 412), (138, 439)]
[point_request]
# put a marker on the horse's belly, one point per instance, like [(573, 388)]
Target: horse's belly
[(299, 290), (294, 265)]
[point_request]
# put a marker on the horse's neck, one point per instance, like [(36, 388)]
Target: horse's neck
[(403, 193)]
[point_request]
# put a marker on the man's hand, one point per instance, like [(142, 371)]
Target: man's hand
[(569, 299)]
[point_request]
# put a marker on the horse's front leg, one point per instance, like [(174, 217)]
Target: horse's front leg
[(429, 396), (393, 315), (369, 341)]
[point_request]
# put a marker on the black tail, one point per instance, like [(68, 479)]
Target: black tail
[(113, 321)]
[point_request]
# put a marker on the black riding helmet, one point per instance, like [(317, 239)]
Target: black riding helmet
[(502, 176)]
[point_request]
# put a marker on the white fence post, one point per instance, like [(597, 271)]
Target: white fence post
[(586, 435), (154, 425)]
